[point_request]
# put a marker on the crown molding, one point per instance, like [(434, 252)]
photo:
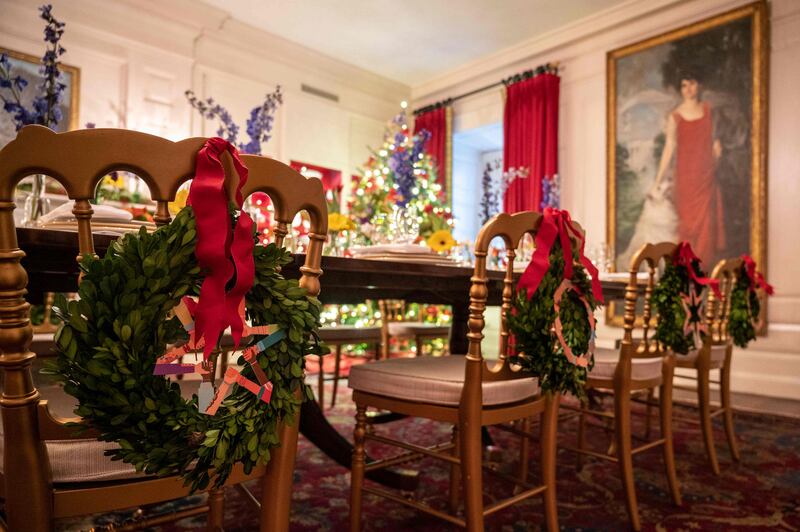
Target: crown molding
[(584, 28)]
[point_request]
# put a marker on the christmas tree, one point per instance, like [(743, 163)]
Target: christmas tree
[(400, 175)]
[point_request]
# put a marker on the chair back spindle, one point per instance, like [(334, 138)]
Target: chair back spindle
[(644, 345), (718, 309)]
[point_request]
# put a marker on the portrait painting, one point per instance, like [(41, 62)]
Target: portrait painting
[(687, 139), (28, 67)]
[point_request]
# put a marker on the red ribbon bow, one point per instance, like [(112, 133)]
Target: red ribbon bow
[(557, 223), (221, 251), (756, 277), (684, 256)]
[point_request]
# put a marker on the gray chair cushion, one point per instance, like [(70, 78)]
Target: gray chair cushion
[(434, 380), (82, 460), (605, 363), (717, 356)]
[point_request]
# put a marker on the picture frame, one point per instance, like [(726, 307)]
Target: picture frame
[(28, 66), (687, 140)]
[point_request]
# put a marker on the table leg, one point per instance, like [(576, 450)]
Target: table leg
[(459, 345)]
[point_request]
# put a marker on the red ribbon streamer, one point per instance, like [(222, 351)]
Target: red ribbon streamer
[(756, 277), (221, 252), (684, 256), (557, 223)]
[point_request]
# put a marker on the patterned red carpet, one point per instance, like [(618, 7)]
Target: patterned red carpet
[(761, 493)]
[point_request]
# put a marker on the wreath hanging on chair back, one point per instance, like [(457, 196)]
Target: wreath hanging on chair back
[(552, 318), (156, 299), (679, 300), (745, 314)]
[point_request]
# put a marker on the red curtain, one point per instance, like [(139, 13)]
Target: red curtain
[(435, 121), (530, 139)]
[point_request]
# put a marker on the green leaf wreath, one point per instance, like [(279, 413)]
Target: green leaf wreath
[(531, 322), (745, 309), (113, 334), (667, 299)]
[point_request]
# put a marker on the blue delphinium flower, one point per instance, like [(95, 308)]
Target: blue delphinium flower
[(551, 192), (259, 125), (45, 109)]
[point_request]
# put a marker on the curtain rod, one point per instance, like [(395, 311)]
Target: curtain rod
[(551, 68)]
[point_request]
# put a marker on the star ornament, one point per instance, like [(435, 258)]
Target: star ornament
[(694, 306)]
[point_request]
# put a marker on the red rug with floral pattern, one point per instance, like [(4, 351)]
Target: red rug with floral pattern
[(760, 493)]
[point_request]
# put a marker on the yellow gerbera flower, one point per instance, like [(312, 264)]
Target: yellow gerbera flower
[(180, 201), (339, 222), (441, 240)]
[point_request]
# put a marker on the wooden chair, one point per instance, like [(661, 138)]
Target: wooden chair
[(465, 391), (338, 337), (395, 325), (715, 353), (49, 472), (639, 365)]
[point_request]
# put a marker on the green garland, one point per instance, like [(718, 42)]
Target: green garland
[(745, 309), (667, 299), (531, 322), (111, 337)]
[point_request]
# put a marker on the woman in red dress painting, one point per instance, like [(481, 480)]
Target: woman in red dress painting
[(696, 194)]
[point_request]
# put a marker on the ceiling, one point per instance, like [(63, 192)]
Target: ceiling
[(410, 41)]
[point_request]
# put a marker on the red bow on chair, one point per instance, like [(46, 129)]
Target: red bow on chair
[(756, 278), (684, 256), (221, 251), (557, 224)]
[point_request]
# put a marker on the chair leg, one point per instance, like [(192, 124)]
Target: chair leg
[(216, 509), (665, 395), (455, 475), (649, 413), (549, 435), (725, 392), (524, 451), (276, 493), (357, 468), (336, 366), (471, 475), (622, 417), (704, 404), (581, 440)]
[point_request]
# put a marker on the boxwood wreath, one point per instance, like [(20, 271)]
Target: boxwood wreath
[(113, 334), (531, 321), (671, 308), (745, 310)]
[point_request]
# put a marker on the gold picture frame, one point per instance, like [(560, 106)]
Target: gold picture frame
[(72, 102), (644, 114)]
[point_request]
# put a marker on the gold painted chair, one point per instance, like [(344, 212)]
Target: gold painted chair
[(48, 471), (395, 325), (340, 336), (639, 365), (715, 353), (465, 391)]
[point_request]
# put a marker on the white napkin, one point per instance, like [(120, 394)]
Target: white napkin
[(102, 213), (414, 249)]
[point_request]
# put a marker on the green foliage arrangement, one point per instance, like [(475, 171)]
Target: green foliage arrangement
[(111, 337), (531, 322), (667, 300), (745, 309)]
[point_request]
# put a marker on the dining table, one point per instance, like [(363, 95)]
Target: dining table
[(50, 262)]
